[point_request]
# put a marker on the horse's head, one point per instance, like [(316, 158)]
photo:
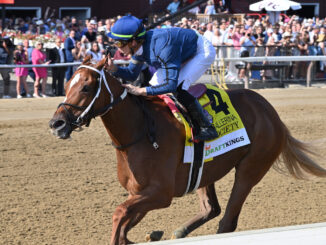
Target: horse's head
[(88, 95)]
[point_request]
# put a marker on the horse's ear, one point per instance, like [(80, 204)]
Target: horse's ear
[(102, 63), (87, 59)]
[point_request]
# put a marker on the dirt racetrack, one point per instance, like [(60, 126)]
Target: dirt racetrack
[(64, 192)]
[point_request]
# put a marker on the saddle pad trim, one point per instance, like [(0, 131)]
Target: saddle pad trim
[(196, 168), (220, 146)]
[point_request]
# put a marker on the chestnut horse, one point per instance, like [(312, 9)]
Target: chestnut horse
[(154, 176)]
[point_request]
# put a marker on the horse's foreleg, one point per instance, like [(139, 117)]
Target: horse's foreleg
[(127, 225), (209, 209), (131, 212)]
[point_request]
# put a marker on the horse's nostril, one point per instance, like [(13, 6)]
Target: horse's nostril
[(58, 124)]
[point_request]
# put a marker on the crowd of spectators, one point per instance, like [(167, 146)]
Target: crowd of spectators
[(76, 38), (209, 7), (291, 36)]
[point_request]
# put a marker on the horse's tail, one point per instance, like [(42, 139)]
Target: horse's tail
[(296, 159)]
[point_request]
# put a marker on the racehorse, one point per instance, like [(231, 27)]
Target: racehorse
[(153, 176)]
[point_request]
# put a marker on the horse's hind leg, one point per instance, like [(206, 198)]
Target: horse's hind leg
[(248, 173), (209, 209)]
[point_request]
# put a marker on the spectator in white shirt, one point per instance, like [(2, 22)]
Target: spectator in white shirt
[(95, 52), (210, 8), (208, 34)]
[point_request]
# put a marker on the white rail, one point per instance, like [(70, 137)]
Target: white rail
[(247, 59), (314, 234), (278, 58), (118, 62)]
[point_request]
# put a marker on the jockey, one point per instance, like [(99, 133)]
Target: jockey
[(180, 57)]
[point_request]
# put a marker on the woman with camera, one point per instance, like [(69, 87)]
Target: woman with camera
[(95, 52), (21, 58), (248, 43)]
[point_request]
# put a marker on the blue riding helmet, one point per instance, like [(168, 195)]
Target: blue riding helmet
[(126, 28)]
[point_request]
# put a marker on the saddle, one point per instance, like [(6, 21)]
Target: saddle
[(197, 90)]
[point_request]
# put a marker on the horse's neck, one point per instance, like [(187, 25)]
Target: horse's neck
[(124, 121)]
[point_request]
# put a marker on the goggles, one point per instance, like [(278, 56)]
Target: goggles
[(120, 43)]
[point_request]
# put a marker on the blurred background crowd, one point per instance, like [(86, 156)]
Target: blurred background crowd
[(51, 40)]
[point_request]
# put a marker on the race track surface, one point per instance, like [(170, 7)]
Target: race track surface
[(64, 192)]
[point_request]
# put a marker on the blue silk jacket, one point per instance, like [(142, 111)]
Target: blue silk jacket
[(164, 49)]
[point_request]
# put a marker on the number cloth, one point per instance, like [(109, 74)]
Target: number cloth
[(228, 124)]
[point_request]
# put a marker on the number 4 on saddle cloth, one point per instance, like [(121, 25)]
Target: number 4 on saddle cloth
[(221, 113)]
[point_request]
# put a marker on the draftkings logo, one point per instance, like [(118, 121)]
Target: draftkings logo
[(210, 150)]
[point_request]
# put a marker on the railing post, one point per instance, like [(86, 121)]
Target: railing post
[(282, 76), (310, 73), (246, 80)]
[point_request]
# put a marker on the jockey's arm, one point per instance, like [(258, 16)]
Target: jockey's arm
[(169, 86), (168, 74), (131, 72), (169, 83), (169, 62)]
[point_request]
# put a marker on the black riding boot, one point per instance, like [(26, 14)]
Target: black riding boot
[(205, 130)]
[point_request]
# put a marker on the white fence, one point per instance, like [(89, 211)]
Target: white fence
[(311, 234), (247, 59), (118, 62), (309, 78), (279, 58), (310, 73)]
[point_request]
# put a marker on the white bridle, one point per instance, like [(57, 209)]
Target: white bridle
[(102, 78), (80, 120)]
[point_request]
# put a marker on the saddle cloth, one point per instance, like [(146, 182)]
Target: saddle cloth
[(220, 111)]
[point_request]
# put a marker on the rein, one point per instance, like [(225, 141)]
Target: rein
[(87, 111)]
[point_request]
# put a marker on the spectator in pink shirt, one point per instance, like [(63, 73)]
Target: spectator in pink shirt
[(39, 57), (236, 37)]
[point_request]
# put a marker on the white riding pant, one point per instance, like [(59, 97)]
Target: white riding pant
[(194, 68)]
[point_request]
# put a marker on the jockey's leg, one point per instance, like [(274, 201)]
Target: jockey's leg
[(204, 129), (190, 72)]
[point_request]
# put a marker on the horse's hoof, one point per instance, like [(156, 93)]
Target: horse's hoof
[(180, 233), (154, 236)]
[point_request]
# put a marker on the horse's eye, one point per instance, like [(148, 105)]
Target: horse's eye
[(86, 89)]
